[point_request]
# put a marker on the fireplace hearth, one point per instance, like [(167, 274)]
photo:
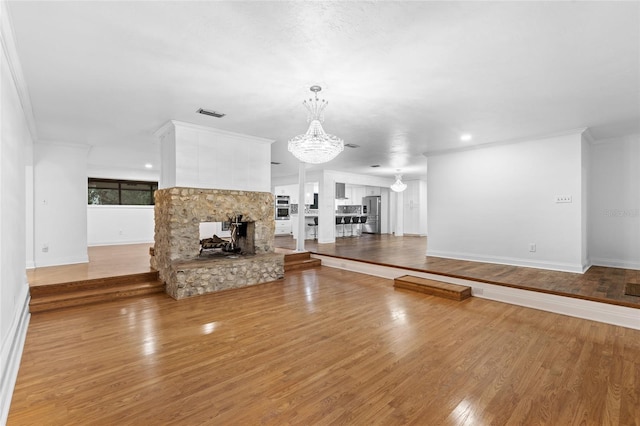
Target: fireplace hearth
[(190, 265)]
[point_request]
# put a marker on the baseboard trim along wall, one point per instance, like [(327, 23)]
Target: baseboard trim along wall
[(615, 263), (610, 314), (119, 243), (12, 348), (62, 261), (553, 266)]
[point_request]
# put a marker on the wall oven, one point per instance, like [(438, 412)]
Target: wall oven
[(282, 207)]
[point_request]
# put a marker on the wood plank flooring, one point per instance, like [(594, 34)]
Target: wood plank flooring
[(104, 262), (606, 285), (324, 346)]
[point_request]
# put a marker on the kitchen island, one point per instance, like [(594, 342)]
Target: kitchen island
[(311, 231)]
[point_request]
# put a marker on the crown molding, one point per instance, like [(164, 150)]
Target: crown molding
[(631, 137), (63, 144), (13, 62), (165, 128), (588, 135), (578, 131)]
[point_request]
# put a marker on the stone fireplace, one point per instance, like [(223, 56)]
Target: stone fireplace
[(186, 270)]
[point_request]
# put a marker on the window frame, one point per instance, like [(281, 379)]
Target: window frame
[(152, 187)]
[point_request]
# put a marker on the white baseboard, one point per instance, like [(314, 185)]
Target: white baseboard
[(12, 352), (62, 261), (553, 266), (118, 243), (610, 314), (615, 263)]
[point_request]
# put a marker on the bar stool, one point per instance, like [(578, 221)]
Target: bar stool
[(314, 227), (355, 221), (363, 219), (338, 223), (347, 221)]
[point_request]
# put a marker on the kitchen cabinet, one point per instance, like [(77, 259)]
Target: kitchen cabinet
[(358, 192), (283, 227), (292, 192), (308, 193), (373, 190), (415, 207)]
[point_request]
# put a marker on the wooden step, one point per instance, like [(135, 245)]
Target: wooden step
[(300, 261), (85, 292), (432, 287), (96, 283), (632, 289), (91, 296), (302, 264)]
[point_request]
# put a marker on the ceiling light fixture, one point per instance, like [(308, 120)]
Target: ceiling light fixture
[(398, 185), (465, 137), (315, 146), (148, 165)]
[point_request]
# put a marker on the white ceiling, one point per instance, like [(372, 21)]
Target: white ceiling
[(401, 78)]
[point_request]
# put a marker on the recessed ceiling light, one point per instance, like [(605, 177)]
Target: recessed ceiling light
[(351, 145), (465, 137), (148, 165), (211, 113), (375, 165)]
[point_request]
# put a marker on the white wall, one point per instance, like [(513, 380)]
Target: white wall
[(107, 225), (489, 204), (16, 137), (205, 157), (60, 203), (614, 203)]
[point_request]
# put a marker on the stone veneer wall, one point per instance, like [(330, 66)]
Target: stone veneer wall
[(178, 214)]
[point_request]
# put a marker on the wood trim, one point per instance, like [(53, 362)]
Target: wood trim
[(12, 348)]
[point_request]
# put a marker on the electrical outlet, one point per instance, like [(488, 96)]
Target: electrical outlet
[(532, 247), (563, 199), (45, 248)]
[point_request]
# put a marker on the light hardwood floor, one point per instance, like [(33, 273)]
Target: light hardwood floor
[(104, 261), (324, 346), (605, 285)]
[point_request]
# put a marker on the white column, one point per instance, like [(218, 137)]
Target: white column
[(301, 219), (399, 214)]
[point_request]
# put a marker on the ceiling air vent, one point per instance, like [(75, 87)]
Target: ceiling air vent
[(211, 113), (351, 145), (274, 163), (375, 165)]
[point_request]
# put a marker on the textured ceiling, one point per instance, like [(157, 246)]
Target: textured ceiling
[(401, 78)]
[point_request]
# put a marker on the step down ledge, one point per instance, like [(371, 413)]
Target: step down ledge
[(89, 293), (433, 287)]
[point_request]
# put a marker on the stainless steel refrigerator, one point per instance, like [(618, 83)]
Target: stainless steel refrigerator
[(371, 209)]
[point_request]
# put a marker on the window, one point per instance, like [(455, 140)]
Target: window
[(121, 192)]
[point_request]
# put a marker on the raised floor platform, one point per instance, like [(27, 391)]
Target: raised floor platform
[(598, 284)]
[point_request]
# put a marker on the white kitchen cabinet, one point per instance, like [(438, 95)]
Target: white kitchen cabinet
[(358, 192), (415, 207), (373, 190), (308, 193), (283, 227)]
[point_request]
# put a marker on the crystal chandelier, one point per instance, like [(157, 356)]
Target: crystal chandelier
[(398, 185), (315, 146)]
